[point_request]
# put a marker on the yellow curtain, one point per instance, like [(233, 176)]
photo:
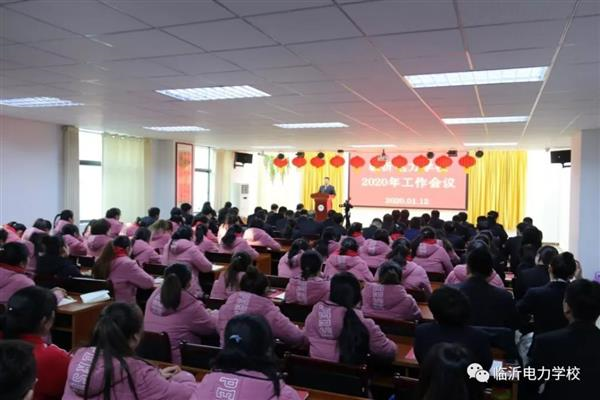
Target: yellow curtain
[(497, 182), (312, 179)]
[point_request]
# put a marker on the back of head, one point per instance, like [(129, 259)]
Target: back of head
[(338, 218), (175, 212), (70, 229), (114, 213), (274, 207), (186, 207), (100, 227), (377, 223), (532, 236), (310, 263), (390, 273), (450, 306), (348, 244), (154, 212), (329, 234), (427, 233), (355, 228), (65, 215), (257, 222), (232, 233), (415, 223), (297, 246), (200, 233), (142, 234), (435, 214), (479, 262), (449, 227), (528, 220), (382, 235), (42, 224), (176, 278), (299, 206), (563, 266), (102, 266), (3, 236), (227, 204), (14, 254), (27, 310), (395, 215), (282, 210), (239, 263), (53, 246), (545, 255), (254, 282), (401, 249), (183, 232), (17, 370), (527, 253), (583, 300), (425, 218)]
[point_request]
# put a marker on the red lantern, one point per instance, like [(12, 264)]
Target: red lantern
[(466, 161), (399, 161), (377, 162), (443, 162), (317, 162), (280, 162), (357, 162), (299, 162), (421, 161), (337, 161)]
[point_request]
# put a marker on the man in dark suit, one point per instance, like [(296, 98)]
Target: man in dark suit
[(577, 345), (510, 251), (369, 232), (306, 226), (537, 275), (326, 187)]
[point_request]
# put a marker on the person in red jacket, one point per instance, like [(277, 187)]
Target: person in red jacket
[(29, 317)]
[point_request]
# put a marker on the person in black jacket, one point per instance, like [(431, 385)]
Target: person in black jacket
[(536, 276), (54, 261), (510, 251)]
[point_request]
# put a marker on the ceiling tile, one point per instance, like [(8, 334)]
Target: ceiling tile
[(307, 88), (149, 43), (359, 69), (291, 74), (422, 44), (138, 69), (21, 28), (487, 12), (268, 57), (35, 75), (514, 92), (512, 58), (222, 35), (588, 7), (77, 48), (450, 62), (5, 64), (194, 64), (337, 51), (253, 7), (31, 57)]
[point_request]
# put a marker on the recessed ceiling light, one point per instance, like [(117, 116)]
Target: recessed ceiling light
[(490, 144), (312, 125), (38, 102), (272, 147), (493, 76), (214, 93), (177, 128), (372, 146), (485, 120)]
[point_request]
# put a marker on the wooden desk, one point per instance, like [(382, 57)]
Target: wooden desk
[(425, 311), (436, 285), (75, 322), (263, 263)]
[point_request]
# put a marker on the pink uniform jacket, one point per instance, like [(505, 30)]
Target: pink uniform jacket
[(30, 231), (159, 240), (360, 239), (219, 291), (116, 227), (60, 224), (143, 253), (131, 229), (12, 236), (244, 385), (307, 292), (258, 237), (249, 303), (208, 245), (11, 282), (433, 258), (211, 236), (374, 252), (324, 325), (127, 276), (389, 301), (353, 264), (147, 380), (95, 244), (76, 245), (190, 321), (415, 277), (287, 269), (459, 274), (333, 247), (186, 252), (239, 245)]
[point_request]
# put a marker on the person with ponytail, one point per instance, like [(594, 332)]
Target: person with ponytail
[(251, 299), (40, 226), (387, 298), (355, 231), (113, 215), (229, 280), (348, 260), (201, 219), (109, 369), (162, 230), (172, 309), (182, 250), (115, 265), (430, 254), (34, 249), (132, 228), (256, 235), (289, 263), (202, 240), (73, 240), (233, 242), (230, 220), (141, 251), (328, 243), (246, 367), (374, 250), (414, 277), (14, 230), (65, 217), (98, 237), (54, 262), (310, 287), (537, 276), (29, 317), (13, 261), (337, 330), (459, 273)]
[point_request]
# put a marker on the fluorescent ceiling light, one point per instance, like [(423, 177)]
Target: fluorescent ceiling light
[(372, 146), (38, 102), (214, 93), (272, 147), (177, 128), (312, 125), (490, 144), (485, 120), (493, 76)]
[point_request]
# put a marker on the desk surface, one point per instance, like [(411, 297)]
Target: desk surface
[(80, 307)]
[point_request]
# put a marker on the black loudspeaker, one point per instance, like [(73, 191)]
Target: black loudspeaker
[(243, 158), (560, 157)]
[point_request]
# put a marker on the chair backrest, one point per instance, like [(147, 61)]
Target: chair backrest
[(277, 281), (418, 295), (87, 285), (396, 327), (351, 380), (206, 281), (404, 387), (86, 262), (295, 312), (197, 355), (155, 269), (436, 276), (218, 257), (213, 304), (2, 308), (155, 346)]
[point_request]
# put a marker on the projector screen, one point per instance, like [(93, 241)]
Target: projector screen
[(408, 188)]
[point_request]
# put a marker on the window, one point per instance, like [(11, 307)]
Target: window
[(90, 175), (202, 176)]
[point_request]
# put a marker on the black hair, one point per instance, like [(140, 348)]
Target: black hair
[(3, 235), (297, 246), (435, 214), (282, 210), (563, 266), (528, 220), (390, 273), (396, 215), (176, 278), (254, 281), (53, 245), (425, 218), (527, 253), (382, 235), (248, 345), (449, 227), (17, 369), (353, 341), (118, 324), (102, 266), (228, 204), (144, 234), (113, 213), (257, 222), (415, 223), (14, 254), (201, 231), (329, 234), (70, 229), (200, 219), (25, 311), (310, 263), (533, 236), (480, 261), (154, 212), (36, 239), (450, 306), (185, 207), (355, 227), (521, 226), (17, 226), (206, 208), (42, 224), (99, 227), (428, 233), (229, 238), (175, 212), (546, 254), (348, 244), (239, 263), (274, 207), (401, 250), (338, 218), (183, 232), (583, 298), (64, 215), (299, 206), (331, 213)]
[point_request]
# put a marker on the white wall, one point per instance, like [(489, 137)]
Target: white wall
[(31, 175), (160, 176)]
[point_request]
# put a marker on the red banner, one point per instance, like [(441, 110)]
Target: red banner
[(184, 173)]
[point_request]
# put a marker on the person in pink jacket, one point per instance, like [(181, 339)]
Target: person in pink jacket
[(65, 217), (414, 277), (203, 242), (328, 243), (233, 242), (98, 237), (73, 240), (430, 255), (108, 368), (112, 216), (13, 260), (14, 230), (251, 300), (355, 231), (388, 298), (203, 220), (182, 250), (374, 251), (162, 230), (132, 228), (40, 225), (310, 287), (34, 249), (229, 280), (289, 263), (256, 236), (348, 260), (141, 251), (459, 274), (339, 332), (125, 274), (230, 220), (172, 309), (245, 368)]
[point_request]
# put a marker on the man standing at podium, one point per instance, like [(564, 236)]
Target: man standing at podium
[(326, 187)]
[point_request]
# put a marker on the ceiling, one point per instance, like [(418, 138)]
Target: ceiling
[(320, 61)]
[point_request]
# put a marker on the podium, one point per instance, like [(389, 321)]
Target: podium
[(323, 203)]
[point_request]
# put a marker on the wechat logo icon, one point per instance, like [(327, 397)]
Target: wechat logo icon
[(476, 371)]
